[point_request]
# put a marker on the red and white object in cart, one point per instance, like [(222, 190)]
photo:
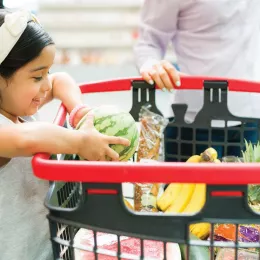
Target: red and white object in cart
[(129, 246)]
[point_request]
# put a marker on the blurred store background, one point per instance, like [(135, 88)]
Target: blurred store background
[(94, 38)]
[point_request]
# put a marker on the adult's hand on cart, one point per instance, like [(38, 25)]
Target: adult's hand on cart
[(94, 146), (163, 73)]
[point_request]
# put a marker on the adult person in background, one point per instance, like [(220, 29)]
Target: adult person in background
[(210, 38)]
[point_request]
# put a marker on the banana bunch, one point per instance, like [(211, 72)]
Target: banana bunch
[(189, 198), (209, 155)]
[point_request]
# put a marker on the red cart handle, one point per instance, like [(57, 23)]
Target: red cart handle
[(113, 172), (119, 172), (187, 82)]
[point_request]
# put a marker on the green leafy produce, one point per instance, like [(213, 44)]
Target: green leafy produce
[(252, 154)]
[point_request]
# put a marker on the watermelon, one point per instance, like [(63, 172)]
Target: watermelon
[(112, 121)]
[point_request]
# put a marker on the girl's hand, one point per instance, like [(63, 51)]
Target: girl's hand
[(162, 73), (94, 146)]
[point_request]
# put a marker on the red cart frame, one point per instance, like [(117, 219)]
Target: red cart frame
[(227, 186)]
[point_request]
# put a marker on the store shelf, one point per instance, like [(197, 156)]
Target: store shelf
[(88, 20), (85, 31), (61, 5), (105, 39), (87, 73)]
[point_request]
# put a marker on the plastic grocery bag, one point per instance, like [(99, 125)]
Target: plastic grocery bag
[(130, 247), (229, 254), (152, 127), (150, 147)]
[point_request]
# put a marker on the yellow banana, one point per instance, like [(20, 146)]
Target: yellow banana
[(200, 230), (197, 200), (127, 203), (182, 199), (209, 155), (194, 159), (169, 196), (217, 161)]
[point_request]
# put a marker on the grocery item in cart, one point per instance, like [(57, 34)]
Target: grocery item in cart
[(144, 200), (128, 204), (129, 247), (189, 198), (252, 155), (113, 121), (146, 196), (246, 233), (151, 131), (229, 254), (152, 127), (195, 252)]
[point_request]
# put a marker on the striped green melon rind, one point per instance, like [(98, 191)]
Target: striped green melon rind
[(125, 153), (111, 121)]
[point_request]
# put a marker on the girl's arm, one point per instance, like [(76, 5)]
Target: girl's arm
[(40, 137), (67, 91), (30, 138)]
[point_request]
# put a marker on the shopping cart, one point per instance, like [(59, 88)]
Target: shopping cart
[(89, 194)]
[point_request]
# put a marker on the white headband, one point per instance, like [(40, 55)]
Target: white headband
[(11, 30)]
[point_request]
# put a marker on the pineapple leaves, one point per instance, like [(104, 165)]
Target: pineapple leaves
[(252, 152)]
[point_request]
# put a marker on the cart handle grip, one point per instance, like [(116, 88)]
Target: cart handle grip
[(187, 83)]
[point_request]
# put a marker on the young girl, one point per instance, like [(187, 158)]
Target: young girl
[(26, 55)]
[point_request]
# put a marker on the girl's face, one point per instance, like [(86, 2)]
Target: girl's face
[(24, 92)]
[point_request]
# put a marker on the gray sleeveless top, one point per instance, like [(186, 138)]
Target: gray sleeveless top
[(24, 230)]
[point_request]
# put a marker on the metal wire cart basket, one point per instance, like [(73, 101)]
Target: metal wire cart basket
[(88, 195)]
